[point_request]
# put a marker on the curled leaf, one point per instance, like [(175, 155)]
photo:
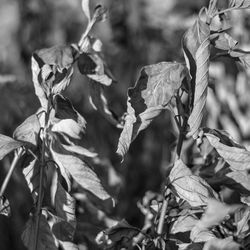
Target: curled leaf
[(153, 90)]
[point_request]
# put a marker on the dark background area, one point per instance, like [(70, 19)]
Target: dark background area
[(137, 33)]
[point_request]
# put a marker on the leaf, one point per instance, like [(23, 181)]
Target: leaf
[(242, 220), (28, 131), (241, 4), (45, 237), (223, 41), (92, 65), (211, 218), (100, 13), (184, 223), (221, 244), (200, 234), (4, 206), (119, 235), (241, 179), (78, 169), (196, 47), (100, 103), (242, 56), (85, 9), (234, 154), (153, 90), (189, 187), (31, 172), (7, 145)]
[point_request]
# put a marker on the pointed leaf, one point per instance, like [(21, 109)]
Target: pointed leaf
[(184, 223), (28, 131), (45, 237), (156, 85), (223, 41), (7, 145), (237, 156), (100, 103), (189, 187), (200, 234), (79, 170), (196, 46)]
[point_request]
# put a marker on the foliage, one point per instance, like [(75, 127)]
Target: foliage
[(192, 211)]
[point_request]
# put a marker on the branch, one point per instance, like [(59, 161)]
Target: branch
[(162, 216), (12, 167)]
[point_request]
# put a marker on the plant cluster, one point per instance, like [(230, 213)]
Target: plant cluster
[(192, 212)]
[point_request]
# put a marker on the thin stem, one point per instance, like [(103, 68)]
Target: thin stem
[(226, 10), (12, 167), (181, 137), (162, 217)]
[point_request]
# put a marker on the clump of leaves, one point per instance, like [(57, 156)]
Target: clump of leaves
[(191, 212)]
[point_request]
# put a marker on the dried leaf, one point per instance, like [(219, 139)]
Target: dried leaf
[(78, 169), (4, 206), (156, 85), (7, 145), (28, 131), (196, 47), (189, 187), (100, 103), (221, 244), (45, 237), (234, 154)]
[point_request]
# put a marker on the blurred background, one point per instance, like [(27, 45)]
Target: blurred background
[(137, 33)]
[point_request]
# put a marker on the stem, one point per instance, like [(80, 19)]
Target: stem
[(226, 10), (181, 137), (12, 167), (162, 217)]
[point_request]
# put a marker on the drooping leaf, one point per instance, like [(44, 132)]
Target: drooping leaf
[(4, 206), (222, 244), (189, 187), (7, 145), (184, 223), (78, 169), (92, 65), (119, 235), (237, 156), (223, 41), (211, 218), (153, 90), (45, 237), (31, 172), (100, 103), (196, 47), (85, 8), (28, 131)]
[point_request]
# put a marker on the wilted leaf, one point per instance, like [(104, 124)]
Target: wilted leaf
[(78, 169), (234, 154), (4, 206), (45, 237), (7, 145), (196, 47), (100, 103), (221, 244), (223, 41), (184, 223), (85, 8), (119, 235), (190, 187), (156, 85), (92, 65), (215, 213), (28, 131)]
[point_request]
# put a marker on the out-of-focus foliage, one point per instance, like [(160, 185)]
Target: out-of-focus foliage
[(136, 33)]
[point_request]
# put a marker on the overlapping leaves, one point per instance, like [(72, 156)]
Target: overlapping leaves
[(153, 90)]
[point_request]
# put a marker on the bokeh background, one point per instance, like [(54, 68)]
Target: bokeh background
[(136, 33)]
